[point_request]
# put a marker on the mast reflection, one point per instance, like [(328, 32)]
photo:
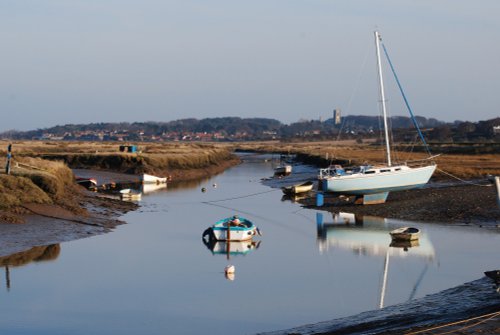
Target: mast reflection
[(369, 236)]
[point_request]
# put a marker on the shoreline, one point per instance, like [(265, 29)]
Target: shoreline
[(443, 309), (445, 203), (51, 224)]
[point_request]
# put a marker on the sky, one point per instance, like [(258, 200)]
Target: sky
[(85, 61)]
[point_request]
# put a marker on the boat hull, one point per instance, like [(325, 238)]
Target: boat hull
[(361, 184), (405, 234), (150, 179), (235, 234), (222, 230), (283, 170), (297, 189)]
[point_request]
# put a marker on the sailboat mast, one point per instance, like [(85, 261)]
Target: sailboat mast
[(382, 97)]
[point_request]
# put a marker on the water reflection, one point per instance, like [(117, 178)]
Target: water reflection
[(152, 188), (232, 248), (369, 236), (35, 254), (294, 197)]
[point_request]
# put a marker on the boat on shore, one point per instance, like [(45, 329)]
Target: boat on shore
[(298, 188), (405, 234), (150, 179), (372, 184), (129, 194), (229, 230), (283, 170), (88, 183), (493, 275)]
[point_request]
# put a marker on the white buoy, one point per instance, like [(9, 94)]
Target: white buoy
[(229, 272), (214, 185)]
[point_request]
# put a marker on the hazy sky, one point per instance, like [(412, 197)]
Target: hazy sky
[(82, 61)]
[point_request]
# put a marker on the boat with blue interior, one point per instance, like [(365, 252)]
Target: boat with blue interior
[(231, 229)]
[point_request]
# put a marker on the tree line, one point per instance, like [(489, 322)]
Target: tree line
[(230, 128)]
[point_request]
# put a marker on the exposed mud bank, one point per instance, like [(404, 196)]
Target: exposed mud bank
[(45, 224), (462, 203), (469, 300)]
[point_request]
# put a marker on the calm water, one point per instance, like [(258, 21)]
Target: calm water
[(156, 276)]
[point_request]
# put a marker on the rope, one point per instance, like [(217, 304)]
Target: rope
[(240, 197), (488, 316), (415, 123), (462, 180)]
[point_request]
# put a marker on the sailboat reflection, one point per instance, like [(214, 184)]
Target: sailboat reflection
[(370, 236), (367, 235)]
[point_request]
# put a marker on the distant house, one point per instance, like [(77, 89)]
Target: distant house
[(128, 148)]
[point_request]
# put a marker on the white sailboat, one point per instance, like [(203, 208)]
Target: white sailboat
[(373, 183)]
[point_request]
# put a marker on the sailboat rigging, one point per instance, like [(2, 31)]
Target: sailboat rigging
[(373, 183)]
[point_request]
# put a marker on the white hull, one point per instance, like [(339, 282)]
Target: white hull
[(378, 180), (285, 169), (234, 235), (374, 183), (149, 179)]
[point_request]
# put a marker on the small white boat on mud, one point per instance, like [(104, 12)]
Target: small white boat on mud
[(150, 179), (405, 234), (129, 194), (298, 188), (283, 170), (88, 183), (232, 229)]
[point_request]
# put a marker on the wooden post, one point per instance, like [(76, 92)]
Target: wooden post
[(7, 277), (497, 183), (9, 156)]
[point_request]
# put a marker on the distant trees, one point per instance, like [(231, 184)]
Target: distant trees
[(236, 128)]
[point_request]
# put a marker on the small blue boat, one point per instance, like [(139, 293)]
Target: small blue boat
[(232, 229)]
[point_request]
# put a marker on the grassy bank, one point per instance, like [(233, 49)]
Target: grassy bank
[(185, 161), (36, 181), (181, 161)]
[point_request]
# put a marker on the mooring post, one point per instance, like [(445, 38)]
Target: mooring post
[(319, 199), (9, 156), (497, 183)]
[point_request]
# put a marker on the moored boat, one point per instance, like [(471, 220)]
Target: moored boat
[(89, 183), (232, 229), (373, 183), (405, 234), (150, 179), (494, 275), (298, 188), (283, 170)]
